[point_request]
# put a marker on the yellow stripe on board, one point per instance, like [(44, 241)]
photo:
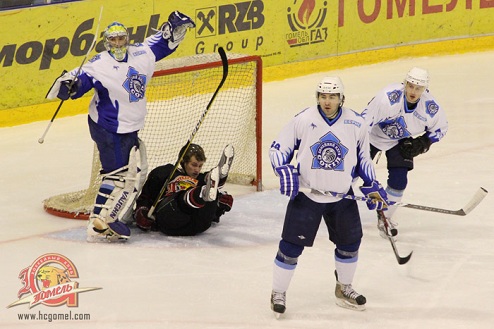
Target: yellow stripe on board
[(42, 112)]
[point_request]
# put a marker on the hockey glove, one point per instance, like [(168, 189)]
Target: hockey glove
[(411, 147), (377, 194), (68, 88), (142, 219), (55, 87), (225, 202), (174, 30), (288, 180)]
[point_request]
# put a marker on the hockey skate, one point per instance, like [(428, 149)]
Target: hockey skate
[(346, 297), (210, 190), (386, 231), (99, 231), (226, 160), (278, 303)]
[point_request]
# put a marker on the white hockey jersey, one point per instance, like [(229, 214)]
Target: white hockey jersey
[(127, 82), (390, 120), (119, 101), (330, 153)]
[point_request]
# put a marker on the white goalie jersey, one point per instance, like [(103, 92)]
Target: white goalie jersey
[(390, 120), (330, 153)]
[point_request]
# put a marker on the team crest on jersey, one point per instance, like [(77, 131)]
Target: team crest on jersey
[(328, 153), (135, 84), (431, 108), (395, 129), (394, 96)]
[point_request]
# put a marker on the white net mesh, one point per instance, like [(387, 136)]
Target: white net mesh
[(177, 97)]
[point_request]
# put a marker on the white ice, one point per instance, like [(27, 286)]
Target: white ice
[(222, 278)]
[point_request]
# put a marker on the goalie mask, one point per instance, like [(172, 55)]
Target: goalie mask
[(116, 40)]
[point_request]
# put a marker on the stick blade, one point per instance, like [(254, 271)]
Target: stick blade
[(477, 198), (224, 61), (404, 260)]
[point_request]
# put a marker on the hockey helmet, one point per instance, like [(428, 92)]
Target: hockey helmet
[(330, 85), (117, 49), (193, 150), (418, 76)]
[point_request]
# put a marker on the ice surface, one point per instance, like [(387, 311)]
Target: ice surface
[(222, 278)]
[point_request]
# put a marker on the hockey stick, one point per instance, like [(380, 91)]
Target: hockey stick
[(474, 202), (401, 260), (93, 44), (224, 62)]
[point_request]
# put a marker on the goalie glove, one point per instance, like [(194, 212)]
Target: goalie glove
[(174, 30), (56, 88), (288, 180), (377, 194), (411, 147)]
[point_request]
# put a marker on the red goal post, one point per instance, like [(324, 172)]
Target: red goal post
[(176, 96)]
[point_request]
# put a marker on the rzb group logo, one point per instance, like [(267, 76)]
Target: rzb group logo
[(306, 23), (48, 281)]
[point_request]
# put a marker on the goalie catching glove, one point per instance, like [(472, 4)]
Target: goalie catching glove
[(411, 147), (174, 30), (288, 180), (377, 195)]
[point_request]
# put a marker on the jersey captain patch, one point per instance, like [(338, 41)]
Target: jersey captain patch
[(329, 153), (135, 84)]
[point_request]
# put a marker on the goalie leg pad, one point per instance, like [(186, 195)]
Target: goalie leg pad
[(115, 199)]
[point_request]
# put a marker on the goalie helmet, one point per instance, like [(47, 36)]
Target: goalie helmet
[(116, 40), (418, 76)]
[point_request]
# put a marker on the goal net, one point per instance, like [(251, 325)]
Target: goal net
[(177, 96)]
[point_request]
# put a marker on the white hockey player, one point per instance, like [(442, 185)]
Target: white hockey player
[(331, 143), (405, 120), (119, 77)]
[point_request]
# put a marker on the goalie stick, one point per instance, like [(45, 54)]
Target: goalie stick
[(401, 260), (224, 62), (93, 44), (474, 202)]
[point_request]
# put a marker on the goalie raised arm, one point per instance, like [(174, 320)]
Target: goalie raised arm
[(119, 77), (192, 201)]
